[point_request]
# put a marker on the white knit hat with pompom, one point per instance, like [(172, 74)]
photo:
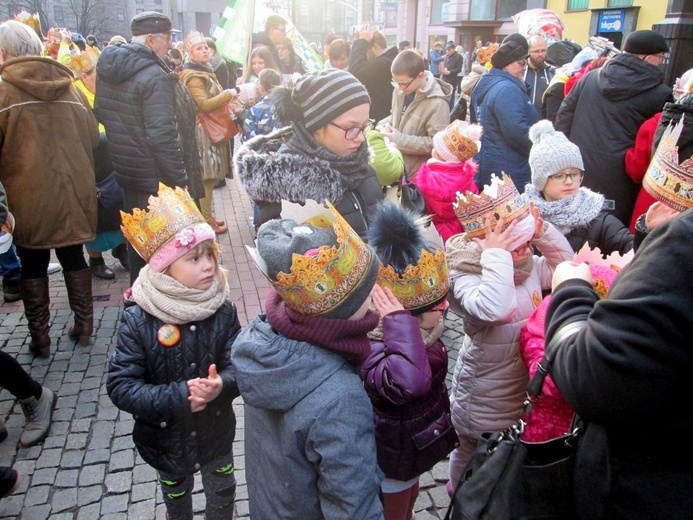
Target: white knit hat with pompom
[(551, 153)]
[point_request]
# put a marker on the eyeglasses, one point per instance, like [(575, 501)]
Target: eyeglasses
[(163, 36), (354, 132), (661, 56), (560, 178), (441, 308), (404, 87)]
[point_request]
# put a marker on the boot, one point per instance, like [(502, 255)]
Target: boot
[(100, 269), (78, 285), (38, 417), (36, 299), (10, 290), (3, 430), (9, 479), (120, 253)]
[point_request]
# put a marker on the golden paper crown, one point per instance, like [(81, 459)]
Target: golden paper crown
[(420, 285), (499, 199), (85, 61), (667, 180), (168, 213), (32, 20), (318, 284), (193, 38), (484, 54)]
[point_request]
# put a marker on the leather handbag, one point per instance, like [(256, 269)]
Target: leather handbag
[(218, 124), (507, 478)]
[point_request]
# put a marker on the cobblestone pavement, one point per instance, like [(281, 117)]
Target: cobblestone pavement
[(88, 467)]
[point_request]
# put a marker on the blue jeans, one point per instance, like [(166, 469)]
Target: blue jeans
[(10, 268)]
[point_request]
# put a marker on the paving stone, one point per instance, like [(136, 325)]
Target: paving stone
[(64, 499), (49, 459), (118, 482), (89, 512), (81, 425), (91, 475), (41, 512), (44, 476), (76, 441), (11, 506), (72, 459), (85, 410), (122, 443), (89, 495), (114, 504), (66, 478), (144, 491), (37, 495), (122, 460), (143, 473)]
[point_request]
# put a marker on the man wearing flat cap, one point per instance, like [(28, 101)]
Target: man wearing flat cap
[(452, 66), (138, 100), (603, 112), (500, 104)]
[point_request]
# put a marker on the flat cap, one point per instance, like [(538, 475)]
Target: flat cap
[(150, 22)]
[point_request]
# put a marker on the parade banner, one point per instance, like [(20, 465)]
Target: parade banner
[(231, 33)]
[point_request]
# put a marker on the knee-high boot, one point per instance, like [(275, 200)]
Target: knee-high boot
[(78, 284), (36, 300)]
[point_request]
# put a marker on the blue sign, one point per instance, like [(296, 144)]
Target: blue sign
[(611, 21)]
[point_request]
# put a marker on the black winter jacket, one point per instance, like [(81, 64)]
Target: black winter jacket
[(375, 76), (602, 114), (606, 232), (136, 102), (148, 380)]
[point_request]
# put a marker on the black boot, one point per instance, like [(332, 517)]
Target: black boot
[(120, 253), (36, 299), (100, 269), (10, 290), (78, 285)]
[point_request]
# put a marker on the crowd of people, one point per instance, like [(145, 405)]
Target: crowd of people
[(343, 375)]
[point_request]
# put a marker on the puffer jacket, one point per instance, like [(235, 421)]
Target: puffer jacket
[(490, 378), (136, 102), (405, 381), (271, 173), (606, 232), (503, 108), (426, 115), (149, 380), (47, 137)]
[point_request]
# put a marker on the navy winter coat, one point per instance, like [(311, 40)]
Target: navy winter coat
[(149, 380)]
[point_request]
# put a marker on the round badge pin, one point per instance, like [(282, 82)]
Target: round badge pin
[(168, 335)]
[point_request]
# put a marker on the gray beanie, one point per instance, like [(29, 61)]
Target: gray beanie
[(550, 153), (325, 95), (279, 240)]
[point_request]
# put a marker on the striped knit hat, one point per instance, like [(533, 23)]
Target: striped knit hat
[(325, 95)]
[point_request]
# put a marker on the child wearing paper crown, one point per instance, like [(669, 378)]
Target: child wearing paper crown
[(404, 373), (309, 435), (579, 213), (172, 365), (498, 283), (449, 171)]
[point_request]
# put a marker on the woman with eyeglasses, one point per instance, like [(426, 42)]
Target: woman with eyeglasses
[(322, 155), (579, 213)]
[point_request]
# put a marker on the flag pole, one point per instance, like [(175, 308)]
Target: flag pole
[(249, 34)]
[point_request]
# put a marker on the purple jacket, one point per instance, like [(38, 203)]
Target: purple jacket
[(406, 384)]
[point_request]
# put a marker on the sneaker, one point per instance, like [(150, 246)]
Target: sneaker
[(9, 479), (10, 290), (54, 267), (38, 417)]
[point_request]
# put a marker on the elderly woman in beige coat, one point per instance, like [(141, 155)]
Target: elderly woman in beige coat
[(47, 134)]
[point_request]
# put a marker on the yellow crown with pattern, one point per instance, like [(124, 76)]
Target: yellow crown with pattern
[(32, 20), (498, 200), (667, 180), (85, 61), (319, 283), (193, 38), (168, 213)]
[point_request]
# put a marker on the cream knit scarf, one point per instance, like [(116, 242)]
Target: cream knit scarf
[(172, 302)]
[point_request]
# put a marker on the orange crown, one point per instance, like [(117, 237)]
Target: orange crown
[(32, 20), (170, 212), (85, 61), (192, 39), (499, 199), (484, 54), (667, 180)]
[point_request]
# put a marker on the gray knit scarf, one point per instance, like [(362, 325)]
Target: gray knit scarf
[(353, 169), (569, 213), (172, 302)]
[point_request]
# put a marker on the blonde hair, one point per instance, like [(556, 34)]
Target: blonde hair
[(210, 246)]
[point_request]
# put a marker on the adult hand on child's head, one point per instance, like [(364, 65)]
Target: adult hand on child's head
[(496, 237), (658, 213), (385, 301), (570, 270), (538, 221)]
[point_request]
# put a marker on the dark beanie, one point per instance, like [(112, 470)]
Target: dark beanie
[(325, 95), (517, 38), (150, 22), (645, 42), (507, 53)]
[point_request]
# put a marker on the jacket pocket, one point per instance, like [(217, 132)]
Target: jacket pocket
[(434, 443)]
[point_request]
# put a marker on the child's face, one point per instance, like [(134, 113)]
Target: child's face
[(431, 317), (196, 269), (522, 252)]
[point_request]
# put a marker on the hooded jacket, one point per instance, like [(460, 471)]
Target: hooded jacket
[(309, 434), (271, 173), (602, 115), (538, 81), (503, 108), (47, 137), (426, 115), (136, 102)]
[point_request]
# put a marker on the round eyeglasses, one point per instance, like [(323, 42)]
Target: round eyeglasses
[(355, 131), (560, 178)]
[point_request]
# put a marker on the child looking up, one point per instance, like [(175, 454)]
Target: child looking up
[(172, 365), (404, 373)]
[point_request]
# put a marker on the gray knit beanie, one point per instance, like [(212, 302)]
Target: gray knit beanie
[(325, 95), (279, 240), (550, 153)]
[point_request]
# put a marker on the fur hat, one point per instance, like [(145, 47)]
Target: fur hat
[(645, 42), (459, 142), (319, 97), (417, 275), (550, 153), (508, 53), (150, 22), (327, 272)]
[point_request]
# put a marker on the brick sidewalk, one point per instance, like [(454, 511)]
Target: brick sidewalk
[(88, 468)]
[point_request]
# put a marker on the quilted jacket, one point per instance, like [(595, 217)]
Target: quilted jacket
[(148, 380)]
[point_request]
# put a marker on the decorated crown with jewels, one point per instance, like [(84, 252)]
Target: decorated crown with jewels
[(667, 180), (193, 38), (167, 214), (499, 199)]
